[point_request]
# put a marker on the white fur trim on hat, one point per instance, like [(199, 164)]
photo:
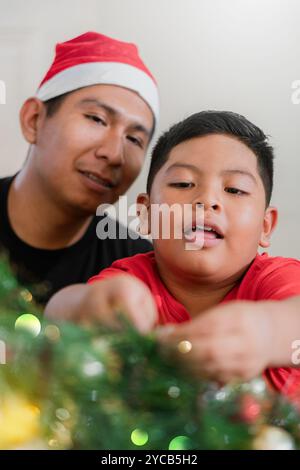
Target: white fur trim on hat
[(96, 73)]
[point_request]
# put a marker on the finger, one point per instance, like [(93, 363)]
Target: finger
[(231, 362), (206, 355), (208, 324), (143, 314), (139, 308), (102, 313)]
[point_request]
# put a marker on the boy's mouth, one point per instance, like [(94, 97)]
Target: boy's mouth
[(207, 235)]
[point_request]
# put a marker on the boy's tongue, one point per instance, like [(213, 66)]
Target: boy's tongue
[(200, 235), (209, 235)]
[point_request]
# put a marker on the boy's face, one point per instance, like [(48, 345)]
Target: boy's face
[(92, 148), (221, 173)]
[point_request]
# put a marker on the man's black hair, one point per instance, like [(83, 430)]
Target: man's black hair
[(53, 105)]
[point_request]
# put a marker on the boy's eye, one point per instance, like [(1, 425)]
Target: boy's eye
[(182, 184), (96, 119), (239, 192)]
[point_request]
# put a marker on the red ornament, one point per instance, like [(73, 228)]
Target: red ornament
[(250, 409)]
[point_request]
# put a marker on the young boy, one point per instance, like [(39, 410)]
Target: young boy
[(222, 163)]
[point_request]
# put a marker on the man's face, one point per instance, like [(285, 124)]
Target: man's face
[(221, 173), (92, 149)]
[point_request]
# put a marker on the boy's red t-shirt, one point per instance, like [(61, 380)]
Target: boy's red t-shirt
[(274, 278)]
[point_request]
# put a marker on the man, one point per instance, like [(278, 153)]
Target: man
[(88, 127)]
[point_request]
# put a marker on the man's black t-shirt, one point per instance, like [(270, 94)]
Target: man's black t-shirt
[(44, 272)]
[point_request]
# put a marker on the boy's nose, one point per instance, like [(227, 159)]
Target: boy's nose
[(214, 206), (208, 202)]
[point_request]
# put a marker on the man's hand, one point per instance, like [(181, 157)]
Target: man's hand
[(230, 341), (103, 301)]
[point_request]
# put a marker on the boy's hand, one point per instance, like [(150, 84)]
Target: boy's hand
[(231, 341), (103, 301), (123, 295)]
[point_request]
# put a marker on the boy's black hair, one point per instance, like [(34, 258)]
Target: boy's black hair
[(216, 122)]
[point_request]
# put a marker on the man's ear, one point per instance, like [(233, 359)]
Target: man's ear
[(30, 116), (143, 213), (269, 224)]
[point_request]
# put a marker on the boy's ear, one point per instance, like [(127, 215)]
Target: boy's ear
[(30, 115), (143, 213), (269, 224)]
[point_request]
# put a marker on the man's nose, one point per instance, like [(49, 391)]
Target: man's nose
[(111, 147)]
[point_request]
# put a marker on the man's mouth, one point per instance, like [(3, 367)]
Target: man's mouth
[(98, 180)]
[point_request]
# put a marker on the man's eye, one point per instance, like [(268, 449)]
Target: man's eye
[(182, 184), (239, 192), (135, 141), (96, 119)]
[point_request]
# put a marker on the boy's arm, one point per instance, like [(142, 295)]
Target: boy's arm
[(67, 304), (237, 340), (286, 320), (103, 300)]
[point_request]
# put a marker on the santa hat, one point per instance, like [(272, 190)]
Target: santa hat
[(93, 59)]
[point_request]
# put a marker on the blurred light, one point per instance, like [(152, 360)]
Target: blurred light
[(53, 443), (184, 347), (180, 443), (94, 395), (62, 414), (139, 437), (258, 386), (28, 322), (174, 392), (93, 368), (52, 333), (26, 295), (221, 395)]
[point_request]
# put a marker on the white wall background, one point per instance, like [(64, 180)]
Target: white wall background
[(239, 55)]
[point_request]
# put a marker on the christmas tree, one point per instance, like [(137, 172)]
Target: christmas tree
[(68, 387)]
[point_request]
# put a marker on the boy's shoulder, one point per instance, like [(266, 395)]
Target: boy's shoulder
[(141, 265), (268, 277), (137, 261), (263, 263)]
